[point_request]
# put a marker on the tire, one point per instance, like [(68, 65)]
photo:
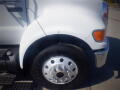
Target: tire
[(74, 53)]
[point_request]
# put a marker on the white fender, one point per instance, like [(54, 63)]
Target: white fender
[(78, 18)]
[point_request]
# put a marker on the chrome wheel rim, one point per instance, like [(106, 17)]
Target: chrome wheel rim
[(60, 70)]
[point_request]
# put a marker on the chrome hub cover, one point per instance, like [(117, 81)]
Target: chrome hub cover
[(60, 70)]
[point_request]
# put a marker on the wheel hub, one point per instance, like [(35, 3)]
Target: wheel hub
[(60, 70)]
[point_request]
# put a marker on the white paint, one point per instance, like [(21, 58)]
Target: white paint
[(78, 18)]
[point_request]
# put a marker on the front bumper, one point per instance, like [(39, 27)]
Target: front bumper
[(101, 57)]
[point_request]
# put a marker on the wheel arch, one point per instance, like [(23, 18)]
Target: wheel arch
[(50, 40)]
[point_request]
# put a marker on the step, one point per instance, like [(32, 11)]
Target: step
[(8, 1), (15, 9), (19, 86), (23, 85), (6, 79)]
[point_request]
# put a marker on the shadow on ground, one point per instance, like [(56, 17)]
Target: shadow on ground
[(112, 64), (107, 71), (104, 73), (114, 56)]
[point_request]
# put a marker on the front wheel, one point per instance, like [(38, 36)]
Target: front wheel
[(60, 66)]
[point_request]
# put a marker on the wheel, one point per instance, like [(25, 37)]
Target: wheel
[(60, 66)]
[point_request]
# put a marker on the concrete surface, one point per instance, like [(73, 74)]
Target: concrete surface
[(113, 62), (108, 76)]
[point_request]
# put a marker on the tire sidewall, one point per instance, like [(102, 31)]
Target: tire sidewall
[(75, 53)]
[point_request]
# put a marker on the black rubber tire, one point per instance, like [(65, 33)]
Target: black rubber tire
[(70, 51)]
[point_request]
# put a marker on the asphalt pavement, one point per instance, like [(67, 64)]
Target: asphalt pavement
[(108, 76)]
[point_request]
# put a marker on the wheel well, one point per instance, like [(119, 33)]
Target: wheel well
[(50, 40)]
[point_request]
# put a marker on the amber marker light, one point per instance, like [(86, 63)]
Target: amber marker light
[(99, 35)]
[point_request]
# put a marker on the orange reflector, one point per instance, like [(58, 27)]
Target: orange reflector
[(99, 35)]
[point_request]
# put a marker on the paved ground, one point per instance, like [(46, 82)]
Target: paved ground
[(112, 81), (108, 77)]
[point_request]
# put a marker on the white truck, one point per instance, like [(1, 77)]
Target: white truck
[(54, 41)]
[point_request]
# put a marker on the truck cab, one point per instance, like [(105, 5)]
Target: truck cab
[(55, 41)]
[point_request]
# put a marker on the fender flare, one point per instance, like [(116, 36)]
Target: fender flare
[(50, 40)]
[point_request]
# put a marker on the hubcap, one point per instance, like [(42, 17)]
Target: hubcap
[(60, 70)]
